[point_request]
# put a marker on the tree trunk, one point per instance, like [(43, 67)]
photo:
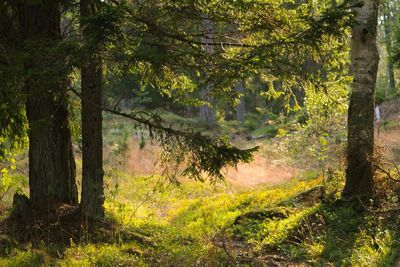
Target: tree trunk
[(365, 59), (240, 108), (51, 159), (92, 141), (207, 114), (387, 20)]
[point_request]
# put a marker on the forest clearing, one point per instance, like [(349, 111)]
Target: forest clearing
[(199, 133)]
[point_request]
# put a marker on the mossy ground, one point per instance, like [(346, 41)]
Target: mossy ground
[(195, 225)]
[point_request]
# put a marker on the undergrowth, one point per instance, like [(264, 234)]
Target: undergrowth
[(197, 225)]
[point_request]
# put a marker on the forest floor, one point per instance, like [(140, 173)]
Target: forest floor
[(151, 224), (388, 130), (267, 213)]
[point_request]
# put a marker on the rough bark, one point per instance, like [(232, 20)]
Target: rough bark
[(364, 60), (241, 107), (51, 159), (92, 141)]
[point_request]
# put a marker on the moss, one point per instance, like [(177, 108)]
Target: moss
[(100, 255), (184, 226), (19, 258)]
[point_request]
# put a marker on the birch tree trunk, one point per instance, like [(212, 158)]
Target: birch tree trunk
[(364, 60)]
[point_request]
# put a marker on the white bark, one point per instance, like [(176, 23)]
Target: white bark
[(364, 60)]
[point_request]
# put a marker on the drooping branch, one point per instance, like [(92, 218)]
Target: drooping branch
[(197, 153)]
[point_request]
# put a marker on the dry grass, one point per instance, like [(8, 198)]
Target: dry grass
[(268, 167), (390, 140)]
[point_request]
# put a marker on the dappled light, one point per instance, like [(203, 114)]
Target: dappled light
[(199, 133)]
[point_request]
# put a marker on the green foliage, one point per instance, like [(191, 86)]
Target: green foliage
[(168, 52), (396, 52), (252, 122), (98, 255), (197, 152), (362, 242), (12, 115), (267, 131), (10, 180), (161, 45), (323, 133), (383, 93), (19, 258), (158, 224), (272, 233), (185, 227), (183, 220)]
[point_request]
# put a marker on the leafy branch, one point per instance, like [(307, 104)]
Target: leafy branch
[(198, 153)]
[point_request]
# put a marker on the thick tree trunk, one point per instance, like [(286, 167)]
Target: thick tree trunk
[(365, 59), (92, 141), (51, 159), (240, 108)]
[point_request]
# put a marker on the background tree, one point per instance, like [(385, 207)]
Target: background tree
[(158, 42), (388, 18), (396, 30), (207, 112)]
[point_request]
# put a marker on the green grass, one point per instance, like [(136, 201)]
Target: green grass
[(267, 131), (159, 225), (18, 258), (184, 226), (182, 223)]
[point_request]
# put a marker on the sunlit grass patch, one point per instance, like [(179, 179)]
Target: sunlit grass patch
[(100, 255), (183, 231), (184, 226), (342, 236), (23, 258), (271, 233)]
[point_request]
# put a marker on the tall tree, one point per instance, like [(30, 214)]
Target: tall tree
[(207, 113), (51, 159), (159, 41), (387, 25), (364, 64), (92, 142)]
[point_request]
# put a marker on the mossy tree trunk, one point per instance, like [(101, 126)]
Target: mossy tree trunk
[(51, 159), (92, 141), (364, 60)]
